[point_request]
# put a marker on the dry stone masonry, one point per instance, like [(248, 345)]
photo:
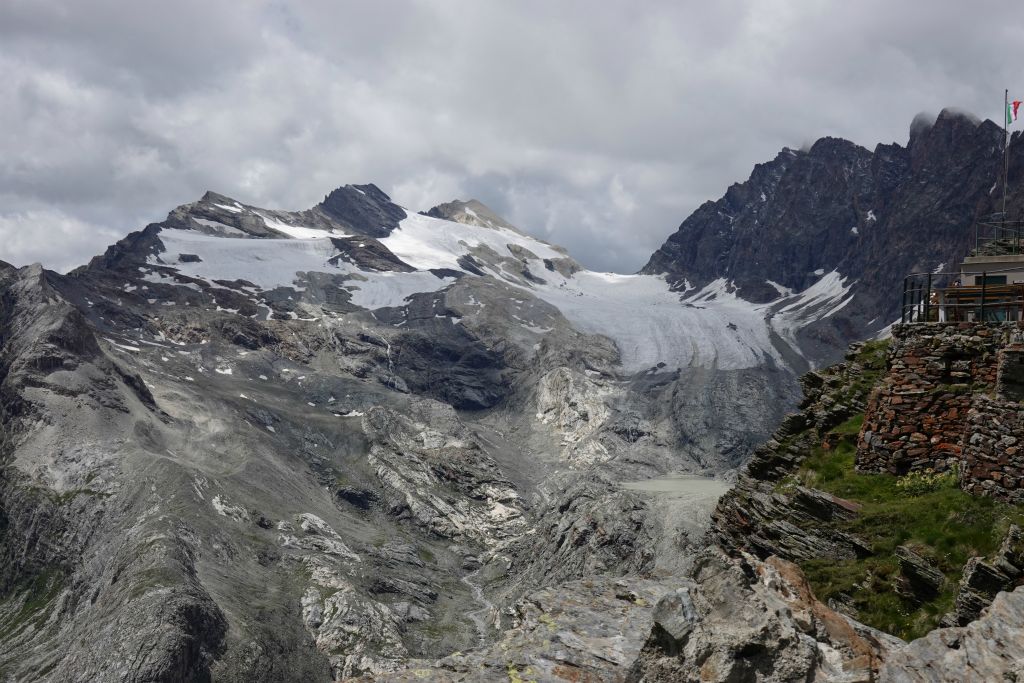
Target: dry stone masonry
[(993, 463), (952, 396)]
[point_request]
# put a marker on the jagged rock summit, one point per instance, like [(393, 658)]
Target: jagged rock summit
[(839, 211)]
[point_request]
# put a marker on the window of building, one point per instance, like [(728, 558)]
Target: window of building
[(989, 280)]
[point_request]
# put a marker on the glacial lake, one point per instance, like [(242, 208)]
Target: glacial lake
[(681, 486)]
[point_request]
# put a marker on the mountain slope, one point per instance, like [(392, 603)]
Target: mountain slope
[(442, 286)]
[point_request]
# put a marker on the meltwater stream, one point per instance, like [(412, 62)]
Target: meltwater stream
[(479, 617)]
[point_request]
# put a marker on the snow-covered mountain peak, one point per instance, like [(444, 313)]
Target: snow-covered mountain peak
[(359, 253), (363, 209), (470, 212)]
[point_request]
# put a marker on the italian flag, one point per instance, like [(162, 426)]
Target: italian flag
[(1011, 111)]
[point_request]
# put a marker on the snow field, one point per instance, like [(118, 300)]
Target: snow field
[(649, 323)]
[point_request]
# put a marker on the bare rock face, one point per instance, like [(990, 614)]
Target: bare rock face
[(576, 405), (985, 650), (425, 465), (470, 212), (744, 620), (984, 578), (78, 572), (756, 518), (587, 630), (258, 445), (590, 527), (920, 579), (364, 209), (353, 442)]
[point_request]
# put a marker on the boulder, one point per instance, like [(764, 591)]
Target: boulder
[(747, 620), (988, 649), (920, 579)]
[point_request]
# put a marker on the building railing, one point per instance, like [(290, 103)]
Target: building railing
[(942, 297), (996, 235)]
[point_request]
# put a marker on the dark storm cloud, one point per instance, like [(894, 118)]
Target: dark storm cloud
[(598, 126)]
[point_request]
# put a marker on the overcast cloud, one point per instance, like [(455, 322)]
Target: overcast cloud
[(596, 125)]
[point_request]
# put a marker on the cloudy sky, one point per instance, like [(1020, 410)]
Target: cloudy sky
[(596, 125)]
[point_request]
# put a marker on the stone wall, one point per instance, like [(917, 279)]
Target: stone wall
[(916, 417), (953, 395), (993, 462)]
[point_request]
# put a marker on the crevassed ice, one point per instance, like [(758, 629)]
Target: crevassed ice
[(650, 323), (710, 327)]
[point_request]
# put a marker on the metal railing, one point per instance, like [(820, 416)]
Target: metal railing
[(995, 235), (942, 297)]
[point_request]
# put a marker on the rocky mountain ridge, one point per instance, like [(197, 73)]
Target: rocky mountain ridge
[(869, 216), (743, 611)]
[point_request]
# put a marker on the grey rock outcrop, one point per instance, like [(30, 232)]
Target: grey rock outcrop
[(372, 464), (365, 209), (212, 474), (471, 212), (984, 578), (744, 620), (760, 518), (78, 571), (987, 649), (587, 630), (921, 580)]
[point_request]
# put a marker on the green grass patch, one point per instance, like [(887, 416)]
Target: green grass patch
[(928, 512), (851, 427), (873, 355)]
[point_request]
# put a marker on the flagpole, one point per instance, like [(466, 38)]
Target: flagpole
[(1006, 145)]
